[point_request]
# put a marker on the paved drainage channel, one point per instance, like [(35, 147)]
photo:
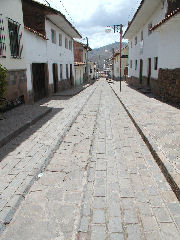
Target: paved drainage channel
[(156, 157), (11, 213)]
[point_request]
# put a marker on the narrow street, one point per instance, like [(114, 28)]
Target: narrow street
[(85, 173)]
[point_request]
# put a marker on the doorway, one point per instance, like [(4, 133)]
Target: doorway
[(140, 71), (39, 86), (149, 71), (55, 76), (71, 75)]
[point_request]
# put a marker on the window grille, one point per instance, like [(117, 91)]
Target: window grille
[(2, 38), (70, 45), (15, 37), (66, 43), (60, 39)]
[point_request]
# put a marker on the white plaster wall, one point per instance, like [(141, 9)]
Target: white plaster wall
[(169, 45), (150, 46), (36, 52), (12, 9), (78, 75), (58, 54)]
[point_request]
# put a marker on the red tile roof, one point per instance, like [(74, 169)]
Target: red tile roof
[(35, 32), (166, 19)]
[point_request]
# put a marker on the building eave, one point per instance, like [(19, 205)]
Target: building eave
[(58, 18), (166, 19), (36, 33), (143, 13)]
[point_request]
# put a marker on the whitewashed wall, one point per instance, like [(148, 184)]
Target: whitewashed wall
[(150, 46), (58, 54), (79, 70), (36, 52), (12, 9), (169, 44)]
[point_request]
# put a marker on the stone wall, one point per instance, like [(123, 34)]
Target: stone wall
[(169, 85), (16, 85), (166, 87)]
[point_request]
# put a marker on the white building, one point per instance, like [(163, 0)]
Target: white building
[(49, 48), (116, 62), (12, 54), (154, 49)]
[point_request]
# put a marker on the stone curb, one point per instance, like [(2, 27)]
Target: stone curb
[(47, 160), (23, 128), (156, 152)]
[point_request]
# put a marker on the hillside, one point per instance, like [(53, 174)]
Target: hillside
[(100, 54)]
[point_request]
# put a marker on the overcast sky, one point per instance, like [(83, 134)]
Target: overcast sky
[(90, 17)]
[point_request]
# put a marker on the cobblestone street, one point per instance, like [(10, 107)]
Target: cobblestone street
[(83, 172)]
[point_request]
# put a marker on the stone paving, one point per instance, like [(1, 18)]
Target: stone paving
[(102, 183), (26, 155), (20, 118), (159, 122)]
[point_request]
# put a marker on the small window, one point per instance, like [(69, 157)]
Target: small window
[(66, 43), (131, 64), (131, 44), (14, 38), (60, 39), (61, 71), (53, 36), (70, 45), (156, 63), (67, 73), (136, 40), (142, 37), (136, 62), (149, 27)]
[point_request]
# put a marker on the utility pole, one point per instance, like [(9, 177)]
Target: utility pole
[(113, 64), (87, 69), (121, 31)]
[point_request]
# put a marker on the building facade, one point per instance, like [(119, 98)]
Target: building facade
[(116, 63), (81, 62), (50, 56), (154, 48), (12, 54)]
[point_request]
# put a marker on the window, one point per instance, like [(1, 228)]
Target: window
[(136, 62), (142, 37), (61, 71), (131, 64), (136, 40), (70, 45), (66, 43), (53, 36), (156, 63), (14, 38), (131, 44), (67, 74), (60, 39), (149, 27)]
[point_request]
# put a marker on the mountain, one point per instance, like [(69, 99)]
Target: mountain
[(98, 55)]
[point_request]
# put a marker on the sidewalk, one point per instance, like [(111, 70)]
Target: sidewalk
[(23, 158), (102, 184), (160, 124), (19, 119)]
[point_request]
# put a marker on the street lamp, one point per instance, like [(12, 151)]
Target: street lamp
[(117, 28)]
